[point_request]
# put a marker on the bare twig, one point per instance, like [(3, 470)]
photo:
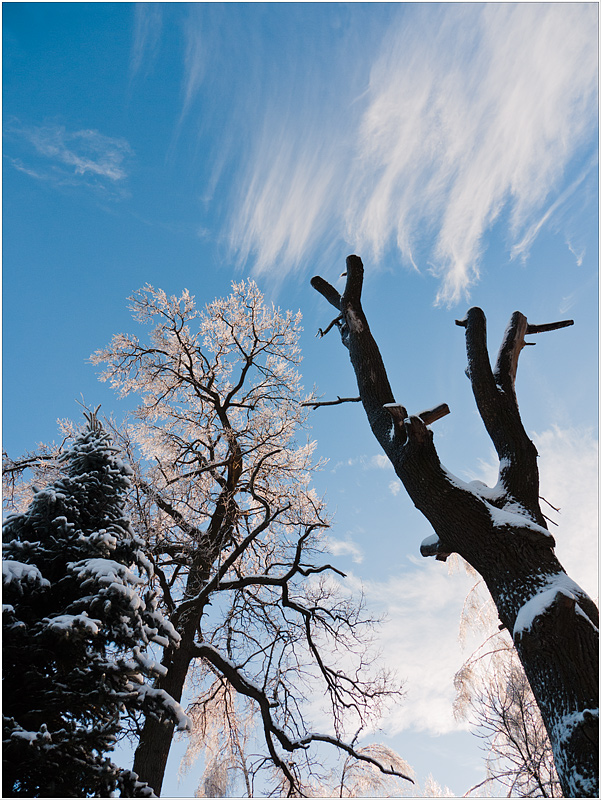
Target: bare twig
[(318, 404), (321, 333), (271, 728), (549, 504)]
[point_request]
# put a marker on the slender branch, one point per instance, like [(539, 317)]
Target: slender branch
[(9, 466), (319, 403), (164, 586), (336, 321), (249, 689), (268, 580), (316, 737), (544, 499), (175, 515)]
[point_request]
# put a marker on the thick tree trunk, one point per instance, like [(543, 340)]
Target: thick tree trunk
[(501, 533), (152, 753), (151, 756)]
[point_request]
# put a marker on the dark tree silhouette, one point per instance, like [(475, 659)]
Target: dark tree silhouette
[(501, 532), (76, 628)]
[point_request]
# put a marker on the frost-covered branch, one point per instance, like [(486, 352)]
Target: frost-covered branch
[(222, 496), (273, 731)]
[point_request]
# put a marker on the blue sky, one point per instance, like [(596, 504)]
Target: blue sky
[(452, 146)]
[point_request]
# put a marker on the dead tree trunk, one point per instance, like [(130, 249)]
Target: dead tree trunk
[(502, 532)]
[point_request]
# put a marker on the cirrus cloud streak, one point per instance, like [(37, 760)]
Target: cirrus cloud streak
[(63, 157), (470, 111)]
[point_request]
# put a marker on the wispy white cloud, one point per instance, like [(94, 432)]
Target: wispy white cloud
[(72, 156), (577, 253), (379, 461), (522, 247), (470, 110), (18, 165), (419, 640), (85, 150), (148, 22), (281, 213), (341, 547), (568, 302), (195, 59)]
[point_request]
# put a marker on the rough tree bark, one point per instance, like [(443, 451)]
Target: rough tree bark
[(502, 532)]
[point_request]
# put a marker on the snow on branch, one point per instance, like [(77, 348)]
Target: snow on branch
[(16, 573), (540, 603), (359, 755)]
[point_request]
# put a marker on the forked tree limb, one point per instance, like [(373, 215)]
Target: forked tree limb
[(372, 380), (495, 395), (502, 534)]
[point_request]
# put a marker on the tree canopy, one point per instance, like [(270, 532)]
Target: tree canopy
[(223, 499)]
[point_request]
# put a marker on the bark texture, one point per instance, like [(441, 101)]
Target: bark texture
[(502, 534)]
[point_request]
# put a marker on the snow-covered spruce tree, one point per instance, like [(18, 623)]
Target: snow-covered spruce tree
[(77, 624), (501, 532), (222, 489)]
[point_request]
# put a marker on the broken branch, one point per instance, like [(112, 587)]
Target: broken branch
[(327, 290), (550, 326), (432, 414), (399, 412)]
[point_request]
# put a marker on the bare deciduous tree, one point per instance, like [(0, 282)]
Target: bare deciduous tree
[(223, 497), (501, 531)]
